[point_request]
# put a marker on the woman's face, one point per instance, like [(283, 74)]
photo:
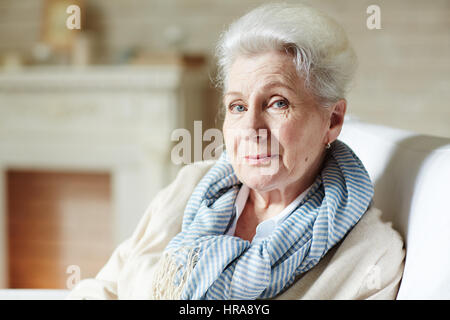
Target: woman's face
[(275, 132)]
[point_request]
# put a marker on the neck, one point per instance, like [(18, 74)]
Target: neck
[(281, 197), (263, 200)]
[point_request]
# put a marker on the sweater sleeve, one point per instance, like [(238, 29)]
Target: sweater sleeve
[(159, 224)]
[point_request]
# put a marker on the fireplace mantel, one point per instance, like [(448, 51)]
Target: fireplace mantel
[(124, 102), (134, 78)]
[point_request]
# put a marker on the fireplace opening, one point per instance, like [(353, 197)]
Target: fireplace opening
[(60, 227)]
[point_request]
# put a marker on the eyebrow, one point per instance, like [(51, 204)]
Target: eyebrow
[(270, 85)]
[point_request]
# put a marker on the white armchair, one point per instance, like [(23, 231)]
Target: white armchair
[(411, 173)]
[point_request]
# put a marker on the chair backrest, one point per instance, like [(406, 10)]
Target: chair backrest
[(411, 174)]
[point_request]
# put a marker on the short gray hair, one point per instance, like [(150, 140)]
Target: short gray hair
[(320, 47)]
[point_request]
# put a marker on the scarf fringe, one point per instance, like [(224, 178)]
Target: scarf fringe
[(164, 286)]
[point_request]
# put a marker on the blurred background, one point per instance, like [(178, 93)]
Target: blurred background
[(86, 116)]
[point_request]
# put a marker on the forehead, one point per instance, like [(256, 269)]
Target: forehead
[(251, 72)]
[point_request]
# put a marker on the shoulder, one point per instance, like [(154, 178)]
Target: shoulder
[(372, 232), (186, 180), (195, 170), (366, 264), (163, 217), (177, 193), (374, 243), (380, 251)]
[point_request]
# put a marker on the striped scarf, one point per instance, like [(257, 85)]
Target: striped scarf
[(203, 263)]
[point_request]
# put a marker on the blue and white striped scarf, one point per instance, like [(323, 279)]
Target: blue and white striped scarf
[(227, 267)]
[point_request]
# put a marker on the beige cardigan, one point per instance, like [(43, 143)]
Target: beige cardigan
[(367, 264)]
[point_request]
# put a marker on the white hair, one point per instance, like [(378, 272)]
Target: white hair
[(321, 51)]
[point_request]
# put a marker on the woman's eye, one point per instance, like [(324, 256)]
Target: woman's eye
[(237, 108), (280, 104)]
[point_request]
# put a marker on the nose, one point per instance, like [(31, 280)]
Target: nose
[(255, 127)]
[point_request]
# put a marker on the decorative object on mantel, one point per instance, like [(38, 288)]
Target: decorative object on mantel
[(81, 54), (55, 32), (41, 53)]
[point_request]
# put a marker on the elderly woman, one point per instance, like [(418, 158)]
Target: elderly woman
[(286, 211)]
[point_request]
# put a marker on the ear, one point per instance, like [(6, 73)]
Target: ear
[(337, 113)]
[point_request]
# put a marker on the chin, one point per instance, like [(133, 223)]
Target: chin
[(259, 179)]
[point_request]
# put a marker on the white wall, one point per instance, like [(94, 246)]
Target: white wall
[(404, 68)]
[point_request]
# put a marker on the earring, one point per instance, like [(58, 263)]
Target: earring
[(328, 146)]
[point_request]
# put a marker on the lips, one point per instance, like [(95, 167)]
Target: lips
[(259, 158)]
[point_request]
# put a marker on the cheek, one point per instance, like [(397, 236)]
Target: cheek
[(232, 139), (299, 141), (227, 132), (290, 138), (229, 140)]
